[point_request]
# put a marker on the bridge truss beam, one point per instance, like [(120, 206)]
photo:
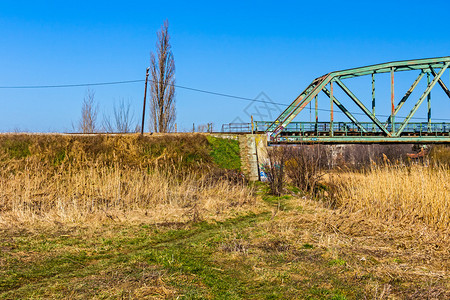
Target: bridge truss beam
[(385, 131)]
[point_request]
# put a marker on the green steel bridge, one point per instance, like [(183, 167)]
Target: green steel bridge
[(394, 129)]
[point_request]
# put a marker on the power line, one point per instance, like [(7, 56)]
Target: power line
[(69, 85), (136, 81), (186, 88), (131, 81)]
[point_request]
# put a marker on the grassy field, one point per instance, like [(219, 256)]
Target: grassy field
[(167, 217)]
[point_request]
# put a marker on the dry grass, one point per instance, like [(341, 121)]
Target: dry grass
[(99, 193), (166, 178), (410, 194), (389, 260), (133, 150)]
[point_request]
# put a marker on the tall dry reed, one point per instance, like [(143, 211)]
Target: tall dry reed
[(72, 194), (410, 194)]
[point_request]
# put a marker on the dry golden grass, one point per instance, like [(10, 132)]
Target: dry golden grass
[(69, 194), (411, 194), (164, 178), (386, 252), (133, 150)]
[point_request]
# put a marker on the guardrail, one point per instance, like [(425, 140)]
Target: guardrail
[(345, 128), (237, 128)]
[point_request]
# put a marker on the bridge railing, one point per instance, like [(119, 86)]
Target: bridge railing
[(237, 127), (345, 128)]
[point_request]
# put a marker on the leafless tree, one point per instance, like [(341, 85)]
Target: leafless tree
[(208, 127), (162, 66), (123, 119), (89, 111)]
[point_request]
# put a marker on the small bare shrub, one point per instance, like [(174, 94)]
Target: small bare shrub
[(124, 121), (303, 166), (274, 168), (89, 111)]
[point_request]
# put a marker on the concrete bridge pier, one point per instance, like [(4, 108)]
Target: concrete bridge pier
[(253, 154)]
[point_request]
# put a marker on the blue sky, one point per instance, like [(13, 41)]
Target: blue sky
[(233, 47)]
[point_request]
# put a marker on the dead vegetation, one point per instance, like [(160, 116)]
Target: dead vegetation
[(74, 179), (413, 194), (73, 195), (407, 191), (89, 112)]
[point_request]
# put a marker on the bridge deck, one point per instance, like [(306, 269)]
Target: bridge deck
[(342, 132)]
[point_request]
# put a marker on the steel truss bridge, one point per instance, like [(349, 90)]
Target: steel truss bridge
[(284, 130)]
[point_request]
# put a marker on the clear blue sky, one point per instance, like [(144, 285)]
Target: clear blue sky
[(234, 47)]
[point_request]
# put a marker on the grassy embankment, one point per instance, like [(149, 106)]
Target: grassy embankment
[(75, 179), (160, 217)]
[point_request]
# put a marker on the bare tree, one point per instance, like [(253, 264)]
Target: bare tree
[(208, 127), (162, 106), (89, 111), (123, 119)]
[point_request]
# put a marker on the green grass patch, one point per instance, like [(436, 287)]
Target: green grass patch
[(307, 246), (338, 262), (281, 202), (17, 148), (225, 153)]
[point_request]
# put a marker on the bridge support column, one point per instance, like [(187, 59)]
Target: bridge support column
[(317, 116), (392, 102), (429, 104), (253, 154), (373, 99), (331, 109)]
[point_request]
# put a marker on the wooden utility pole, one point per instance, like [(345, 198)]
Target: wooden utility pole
[(145, 101)]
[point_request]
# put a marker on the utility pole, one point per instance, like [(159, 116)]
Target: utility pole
[(145, 100)]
